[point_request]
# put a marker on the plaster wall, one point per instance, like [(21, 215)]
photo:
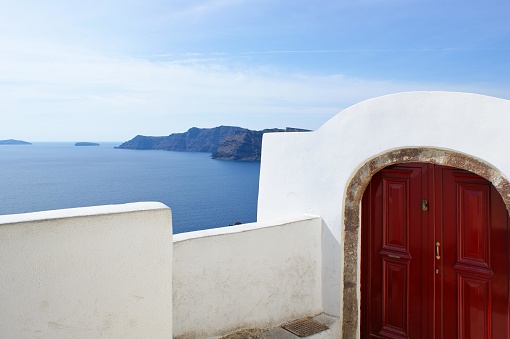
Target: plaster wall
[(255, 275), (87, 272), (310, 172)]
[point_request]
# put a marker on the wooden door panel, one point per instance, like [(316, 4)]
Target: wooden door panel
[(395, 224), (473, 210), (474, 301), (472, 264), (472, 213), (395, 200), (395, 254), (465, 262), (395, 298)]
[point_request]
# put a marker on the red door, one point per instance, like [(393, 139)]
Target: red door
[(434, 255)]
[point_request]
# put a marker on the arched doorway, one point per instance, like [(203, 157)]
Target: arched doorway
[(434, 255), (354, 193)]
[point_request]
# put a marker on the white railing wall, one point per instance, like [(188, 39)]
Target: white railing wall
[(88, 272), (248, 276), (107, 271)]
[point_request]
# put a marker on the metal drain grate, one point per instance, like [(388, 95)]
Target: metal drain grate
[(305, 327)]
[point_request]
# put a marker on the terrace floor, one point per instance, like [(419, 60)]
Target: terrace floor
[(280, 333)]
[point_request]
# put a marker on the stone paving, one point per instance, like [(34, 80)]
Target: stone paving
[(280, 333)]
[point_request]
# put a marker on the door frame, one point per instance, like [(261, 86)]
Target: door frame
[(352, 221)]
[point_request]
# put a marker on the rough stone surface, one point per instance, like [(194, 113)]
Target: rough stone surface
[(244, 145)]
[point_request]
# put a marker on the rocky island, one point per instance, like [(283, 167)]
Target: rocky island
[(14, 142), (224, 142), (86, 144)]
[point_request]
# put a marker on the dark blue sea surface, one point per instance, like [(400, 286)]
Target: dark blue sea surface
[(202, 193)]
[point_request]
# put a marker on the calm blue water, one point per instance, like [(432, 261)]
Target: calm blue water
[(203, 193)]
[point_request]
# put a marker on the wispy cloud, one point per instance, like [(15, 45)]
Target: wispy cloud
[(113, 69), (83, 94)]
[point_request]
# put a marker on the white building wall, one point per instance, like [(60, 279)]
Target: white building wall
[(255, 275), (87, 273), (309, 172)]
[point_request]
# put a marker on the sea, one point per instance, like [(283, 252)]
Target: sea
[(203, 193)]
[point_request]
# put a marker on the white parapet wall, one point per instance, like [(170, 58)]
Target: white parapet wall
[(87, 272), (255, 275)]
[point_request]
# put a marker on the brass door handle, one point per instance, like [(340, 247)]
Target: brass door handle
[(437, 250)]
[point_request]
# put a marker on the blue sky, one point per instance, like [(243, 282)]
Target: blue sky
[(108, 70)]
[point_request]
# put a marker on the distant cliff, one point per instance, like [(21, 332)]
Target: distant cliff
[(245, 145), (224, 142), (14, 142)]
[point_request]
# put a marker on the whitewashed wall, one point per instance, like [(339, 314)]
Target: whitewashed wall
[(87, 273), (309, 172), (253, 275)]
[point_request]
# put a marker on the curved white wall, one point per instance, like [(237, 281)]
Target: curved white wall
[(309, 172), (87, 273)]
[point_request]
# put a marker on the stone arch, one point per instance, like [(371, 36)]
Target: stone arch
[(354, 193)]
